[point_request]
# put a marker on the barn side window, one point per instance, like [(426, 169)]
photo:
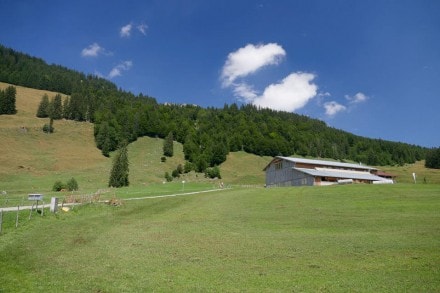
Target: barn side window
[(278, 165)]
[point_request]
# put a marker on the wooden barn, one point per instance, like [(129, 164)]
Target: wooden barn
[(289, 171)]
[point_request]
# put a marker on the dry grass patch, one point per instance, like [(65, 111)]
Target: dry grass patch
[(26, 148)]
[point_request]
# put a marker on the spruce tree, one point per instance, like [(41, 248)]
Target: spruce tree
[(168, 147), (66, 108), (43, 108), (119, 172), (7, 101), (57, 107)]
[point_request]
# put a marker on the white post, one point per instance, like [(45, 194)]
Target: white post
[(16, 218), (414, 176), (53, 204)]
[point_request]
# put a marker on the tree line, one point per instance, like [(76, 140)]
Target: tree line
[(433, 158), (207, 134)]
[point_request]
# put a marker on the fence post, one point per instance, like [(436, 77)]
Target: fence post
[(31, 210), (16, 218)]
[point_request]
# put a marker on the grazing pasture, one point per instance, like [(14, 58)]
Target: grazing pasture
[(360, 238)]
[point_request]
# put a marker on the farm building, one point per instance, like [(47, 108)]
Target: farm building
[(289, 171)]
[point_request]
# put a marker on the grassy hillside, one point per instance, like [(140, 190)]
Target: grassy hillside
[(423, 175), (31, 161), (30, 156), (359, 238)]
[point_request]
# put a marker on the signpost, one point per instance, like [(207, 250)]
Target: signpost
[(36, 197)]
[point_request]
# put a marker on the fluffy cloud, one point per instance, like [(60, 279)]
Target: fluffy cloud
[(250, 59), (125, 31), (245, 92), (332, 108), (292, 93), (92, 51), (118, 69)]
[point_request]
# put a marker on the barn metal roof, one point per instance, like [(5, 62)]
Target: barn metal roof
[(326, 163), (340, 174)]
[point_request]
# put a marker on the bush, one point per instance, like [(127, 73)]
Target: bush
[(213, 172), (72, 184), (188, 167), (58, 186), (163, 159), (47, 128), (175, 173), (168, 178), (179, 169)]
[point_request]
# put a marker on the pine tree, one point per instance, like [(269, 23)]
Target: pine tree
[(43, 108), (7, 101), (57, 107), (168, 147), (66, 108), (119, 172)]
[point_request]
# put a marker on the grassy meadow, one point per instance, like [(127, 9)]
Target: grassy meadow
[(355, 238), (359, 238)]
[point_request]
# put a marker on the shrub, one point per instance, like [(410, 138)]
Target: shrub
[(163, 159), (168, 178), (213, 172), (47, 128), (175, 173), (72, 184), (179, 169), (188, 167), (58, 185)]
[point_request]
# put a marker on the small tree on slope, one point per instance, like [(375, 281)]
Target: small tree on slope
[(119, 172)]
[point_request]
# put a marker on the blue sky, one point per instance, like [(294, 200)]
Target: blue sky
[(368, 67)]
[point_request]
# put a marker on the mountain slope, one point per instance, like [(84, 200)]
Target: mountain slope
[(32, 160)]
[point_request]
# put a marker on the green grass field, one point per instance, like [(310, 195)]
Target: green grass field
[(359, 238)]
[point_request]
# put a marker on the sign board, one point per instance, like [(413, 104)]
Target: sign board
[(35, 196)]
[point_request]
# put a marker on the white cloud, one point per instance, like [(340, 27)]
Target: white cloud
[(292, 93), (142, 28), (125, 31), (250, 59), (357, 98), (246, 92), (92, 51), (118, 69), (332, 108)]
